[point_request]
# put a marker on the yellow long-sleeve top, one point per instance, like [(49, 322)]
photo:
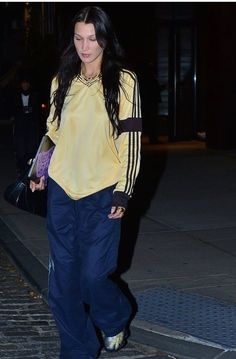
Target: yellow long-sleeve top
[(88, 157)]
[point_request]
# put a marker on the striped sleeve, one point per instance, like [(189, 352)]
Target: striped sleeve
[(129, 141)]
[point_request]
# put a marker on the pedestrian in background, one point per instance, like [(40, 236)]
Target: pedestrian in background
[(95, 123), (25, 109)]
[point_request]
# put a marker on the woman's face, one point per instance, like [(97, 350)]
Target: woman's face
[(86, 43)]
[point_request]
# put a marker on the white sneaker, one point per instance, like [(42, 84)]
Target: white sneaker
[(115, 343)]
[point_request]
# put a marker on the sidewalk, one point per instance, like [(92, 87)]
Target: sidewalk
[(178, 250)]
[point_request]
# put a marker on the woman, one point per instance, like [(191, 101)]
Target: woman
[(95, 122)]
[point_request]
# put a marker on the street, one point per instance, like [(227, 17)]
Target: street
[(28, 330)]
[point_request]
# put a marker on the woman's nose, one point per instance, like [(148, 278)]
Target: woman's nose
[(84, 44)]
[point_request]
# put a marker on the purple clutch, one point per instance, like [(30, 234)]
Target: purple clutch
[(42, 159), (42, 163)]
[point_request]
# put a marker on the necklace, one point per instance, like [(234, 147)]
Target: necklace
[(89, 79)]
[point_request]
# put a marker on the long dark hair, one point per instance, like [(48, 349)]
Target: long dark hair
[(70, 65)]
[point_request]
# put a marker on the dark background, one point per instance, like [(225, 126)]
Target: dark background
[(190, 48)]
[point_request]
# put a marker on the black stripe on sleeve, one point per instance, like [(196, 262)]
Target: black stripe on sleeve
[(128, 165), (136, 101), (130, 124), (133, 158)]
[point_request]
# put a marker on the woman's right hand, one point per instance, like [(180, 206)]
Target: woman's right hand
[(38, 186)]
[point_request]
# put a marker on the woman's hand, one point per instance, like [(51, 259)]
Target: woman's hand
[(38, 186), (116, 212)]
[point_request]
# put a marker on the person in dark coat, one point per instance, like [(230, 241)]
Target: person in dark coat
[(25, 110)]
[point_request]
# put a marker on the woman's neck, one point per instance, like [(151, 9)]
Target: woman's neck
[(89, 72)]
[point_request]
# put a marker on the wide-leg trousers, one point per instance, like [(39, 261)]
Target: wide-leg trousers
[(84, 246)]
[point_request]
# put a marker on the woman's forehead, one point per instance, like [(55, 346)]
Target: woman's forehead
[(83, 28)]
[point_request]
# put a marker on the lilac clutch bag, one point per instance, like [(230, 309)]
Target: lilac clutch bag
[(42, 159), (42, 163)]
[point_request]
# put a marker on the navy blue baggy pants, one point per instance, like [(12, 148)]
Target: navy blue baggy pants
[(83, 253)]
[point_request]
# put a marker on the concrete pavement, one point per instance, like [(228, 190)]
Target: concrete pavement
[(178, 249)]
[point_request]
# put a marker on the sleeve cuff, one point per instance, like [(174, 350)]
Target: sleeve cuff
[(120, 199)]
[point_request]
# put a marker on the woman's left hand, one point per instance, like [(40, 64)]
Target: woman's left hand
[(39, 186), (116, 212)]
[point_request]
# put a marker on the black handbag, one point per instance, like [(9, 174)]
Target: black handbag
[(20, 195)]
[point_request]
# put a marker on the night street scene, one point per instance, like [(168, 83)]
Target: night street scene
[(177, 254)]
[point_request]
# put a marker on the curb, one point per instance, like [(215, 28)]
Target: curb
[(29, 266), (143, 333)]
